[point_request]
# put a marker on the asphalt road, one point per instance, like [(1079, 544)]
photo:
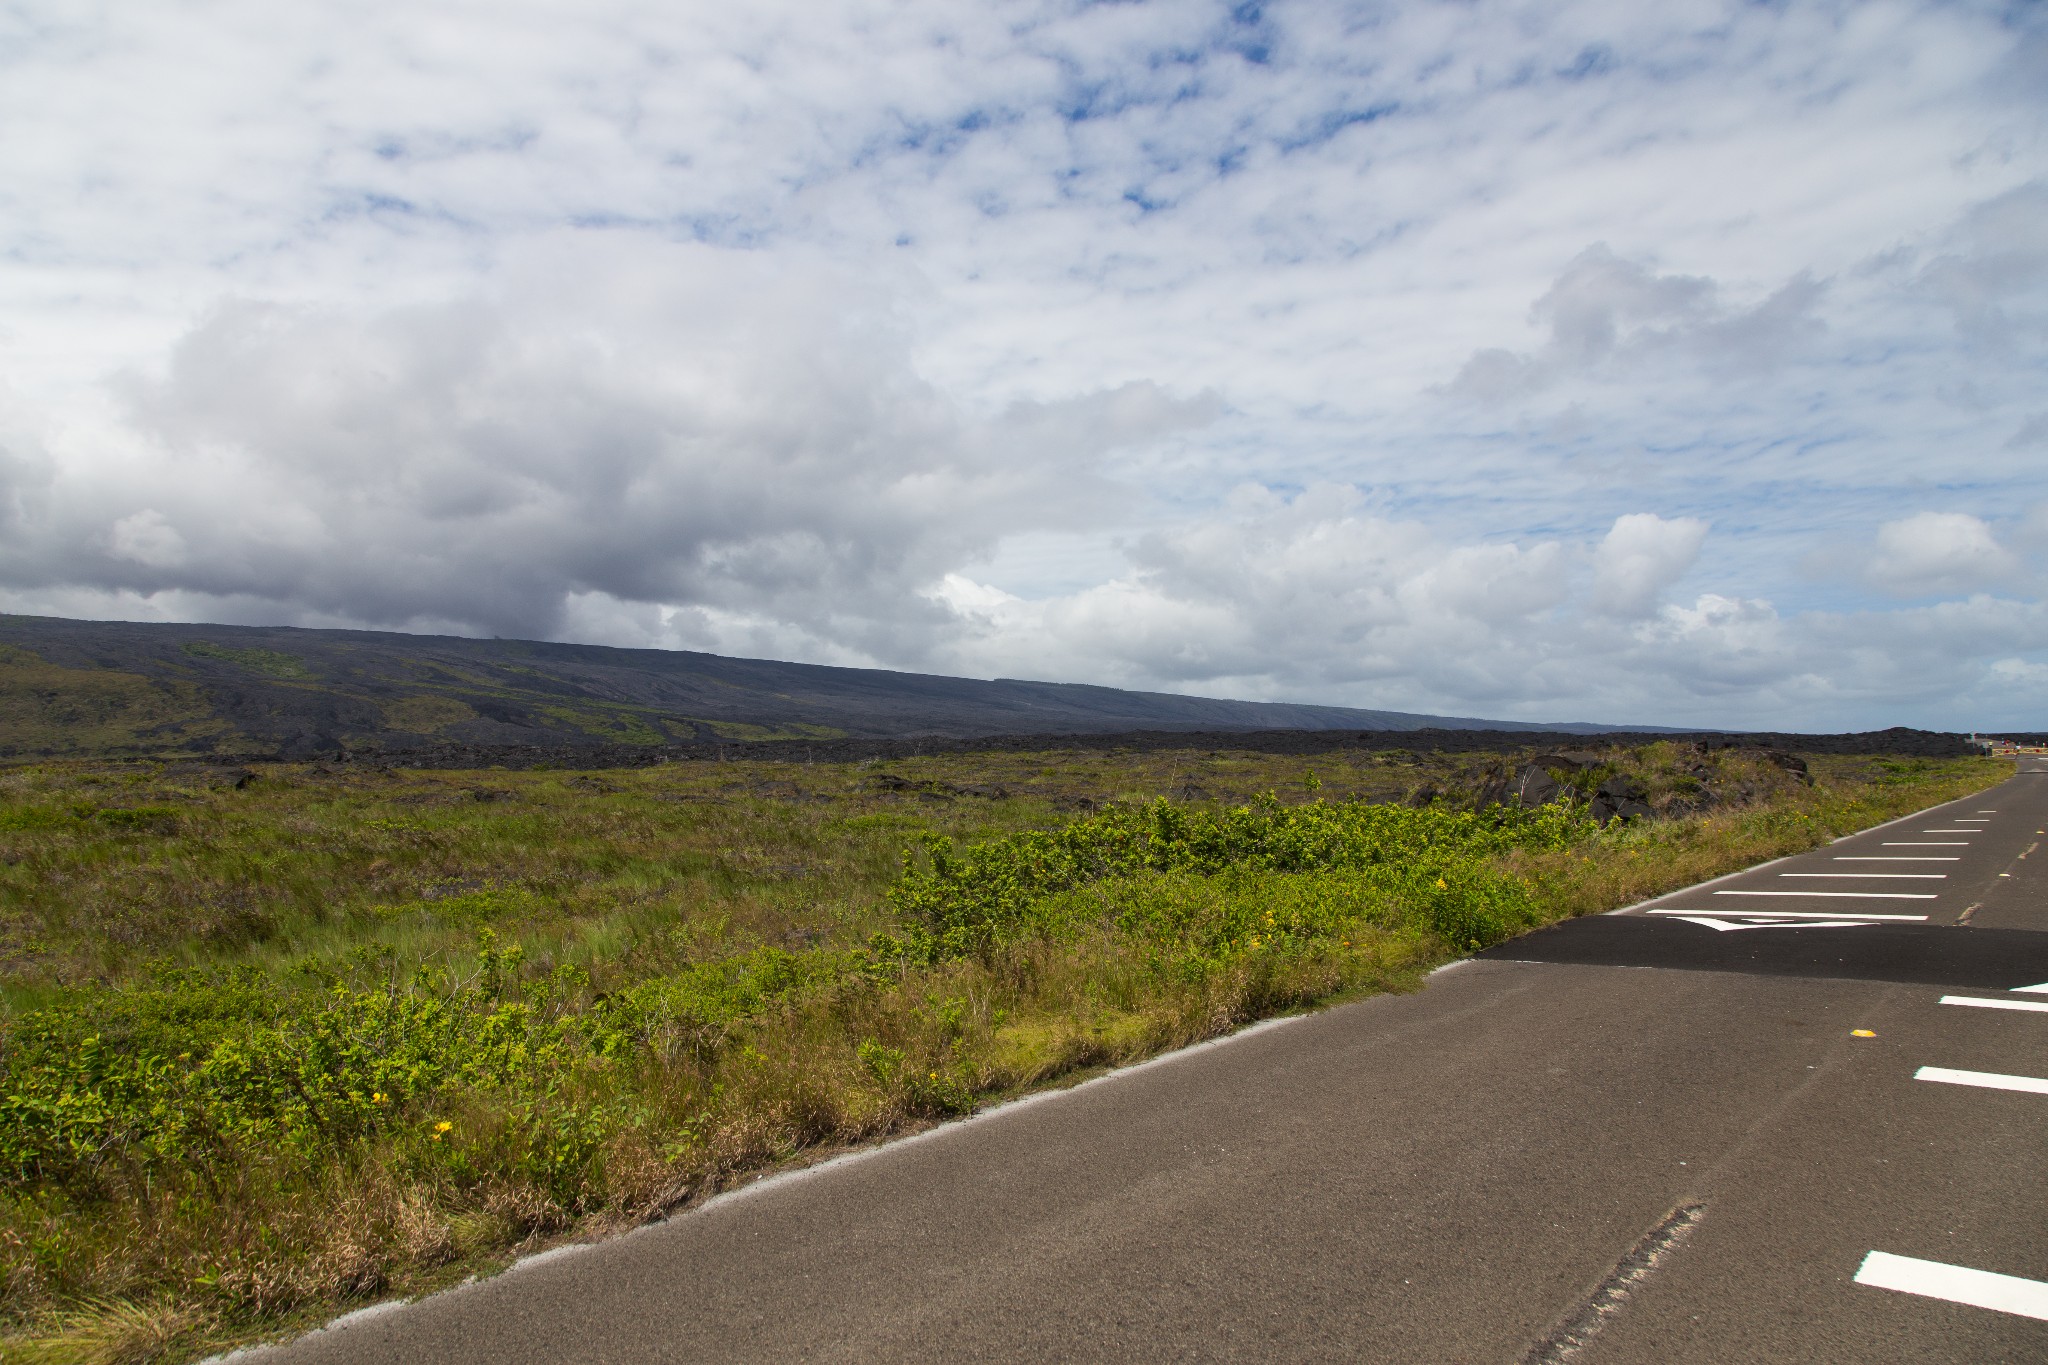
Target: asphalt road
[(1653, 1136)]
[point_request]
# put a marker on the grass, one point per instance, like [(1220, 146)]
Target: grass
[(337, 1034)]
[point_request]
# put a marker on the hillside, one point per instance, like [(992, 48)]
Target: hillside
[(119, 688)]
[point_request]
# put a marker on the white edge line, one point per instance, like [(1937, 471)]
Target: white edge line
[(1985, 1080), (1955, 1283), (541, 1258), (1983, 1003), (357, 1318)]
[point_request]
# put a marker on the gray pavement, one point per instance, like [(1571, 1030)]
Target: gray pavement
[(1467, 1173)]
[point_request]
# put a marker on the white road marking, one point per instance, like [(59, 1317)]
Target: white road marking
[(1795, 914), (2041, 989), (1926, 843), (1955, 1283), (1898, 858), (1988, 1080), (1894, 876), (1753, 922), (1951, 831), (1983, 1004), (1845, 895)]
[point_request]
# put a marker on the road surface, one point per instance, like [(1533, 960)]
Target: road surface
[(1795, 1114)]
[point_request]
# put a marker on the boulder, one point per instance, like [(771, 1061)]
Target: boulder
[(1619, 788), (1533, 786), (1787, 762), (1605, 809)]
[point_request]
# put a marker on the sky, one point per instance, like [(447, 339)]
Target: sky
[(1669, 364)]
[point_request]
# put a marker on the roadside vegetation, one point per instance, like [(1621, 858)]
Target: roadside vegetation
[(274, 1044)]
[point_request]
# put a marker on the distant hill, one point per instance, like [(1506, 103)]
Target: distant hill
[(113, 688)]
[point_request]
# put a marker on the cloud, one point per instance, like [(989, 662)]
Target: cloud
[(1640, 558), (1605, 314), (1318, 588), (146, 538), (663, 424), (2032, 435), (2032, 531), (1938, 552), (1995, 279)]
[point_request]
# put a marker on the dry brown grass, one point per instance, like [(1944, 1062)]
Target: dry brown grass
[(110, 1332)]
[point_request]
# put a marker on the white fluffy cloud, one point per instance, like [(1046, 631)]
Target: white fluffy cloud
[(1391, 354), (1641, 557), (1931, 553)]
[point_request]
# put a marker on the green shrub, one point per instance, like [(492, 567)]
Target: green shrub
[(957, 902), (197, 1067)]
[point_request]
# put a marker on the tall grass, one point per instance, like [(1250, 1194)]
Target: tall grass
[(437, 1028)]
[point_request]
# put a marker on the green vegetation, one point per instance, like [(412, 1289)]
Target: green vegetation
[(334, 1034), (269, 662), (618, 724)]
